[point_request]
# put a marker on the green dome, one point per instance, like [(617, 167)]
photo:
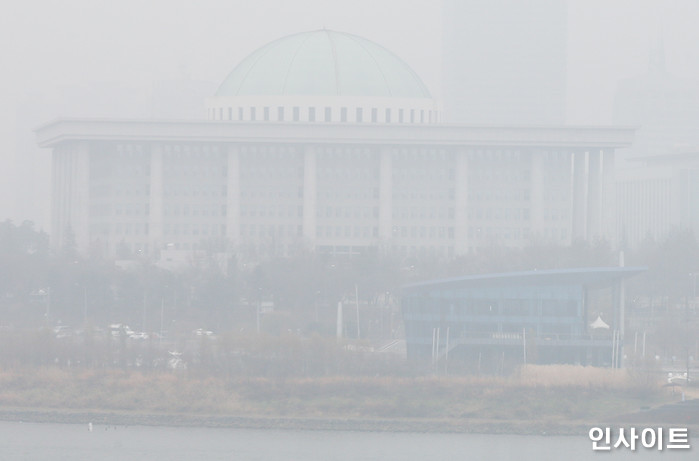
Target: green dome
[(323, 63)]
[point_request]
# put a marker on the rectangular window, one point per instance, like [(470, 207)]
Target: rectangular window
[(230, 113), (359, 115), (296, 114), (328, 114), (240, 113), (374, 115), (400, 115), (266, 114), (280, 114), (253, 113), (343, 114), (388, 115), (311, 114), (412, 115)]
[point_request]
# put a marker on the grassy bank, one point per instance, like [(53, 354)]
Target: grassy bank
[(536, 394)]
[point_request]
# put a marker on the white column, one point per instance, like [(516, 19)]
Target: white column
[(580, 183), (461, 203), (608, 196), (233, 197), (155, 202), (309, 195), (537, 194), (571, 198), (385, 196), (594, 194)]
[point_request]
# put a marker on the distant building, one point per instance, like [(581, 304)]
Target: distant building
[(504, 61), (658, 176), (664, 108), (325, 141), (532, 317), (656, 195)]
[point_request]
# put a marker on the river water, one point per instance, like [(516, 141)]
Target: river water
[(52, 442)]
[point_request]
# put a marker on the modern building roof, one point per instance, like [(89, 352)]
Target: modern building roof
[(323, 63), (587, 276)]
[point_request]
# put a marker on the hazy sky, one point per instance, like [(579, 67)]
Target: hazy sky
[(47, 47)]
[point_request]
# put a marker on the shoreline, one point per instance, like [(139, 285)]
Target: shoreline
[(397, 425), (664, 416), (418, 425)]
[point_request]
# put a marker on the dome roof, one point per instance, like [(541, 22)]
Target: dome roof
[(323, 63)]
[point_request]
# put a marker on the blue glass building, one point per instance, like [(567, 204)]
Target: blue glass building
[(534, 317)]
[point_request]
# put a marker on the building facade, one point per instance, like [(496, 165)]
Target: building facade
[(531, 317), (354, 162), (264, 188), (659, 194)]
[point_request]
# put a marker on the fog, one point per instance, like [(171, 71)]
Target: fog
[(81, 58), (245, 274)]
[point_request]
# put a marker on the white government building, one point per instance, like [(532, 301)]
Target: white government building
[(325, 141)]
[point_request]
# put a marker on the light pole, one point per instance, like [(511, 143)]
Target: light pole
[(692, 275), (85, 304), (48, 304)]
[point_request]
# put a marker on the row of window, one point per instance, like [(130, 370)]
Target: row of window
[(424, 232), (198, 190), (491, 176), (324, 114), (431, 174), (200, 229), (348, 212), (271, 211), (270, 230), (498, 194), (516, 214), (271, 193), (348, 193), (272, 172), (496, 214), (422, 213), (432, 194), (347, 174), (195, 170), (195, 151), (121, 171), (347, 231), (204, 209)]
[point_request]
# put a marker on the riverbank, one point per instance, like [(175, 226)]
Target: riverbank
[(538, 400), (425, 425)]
